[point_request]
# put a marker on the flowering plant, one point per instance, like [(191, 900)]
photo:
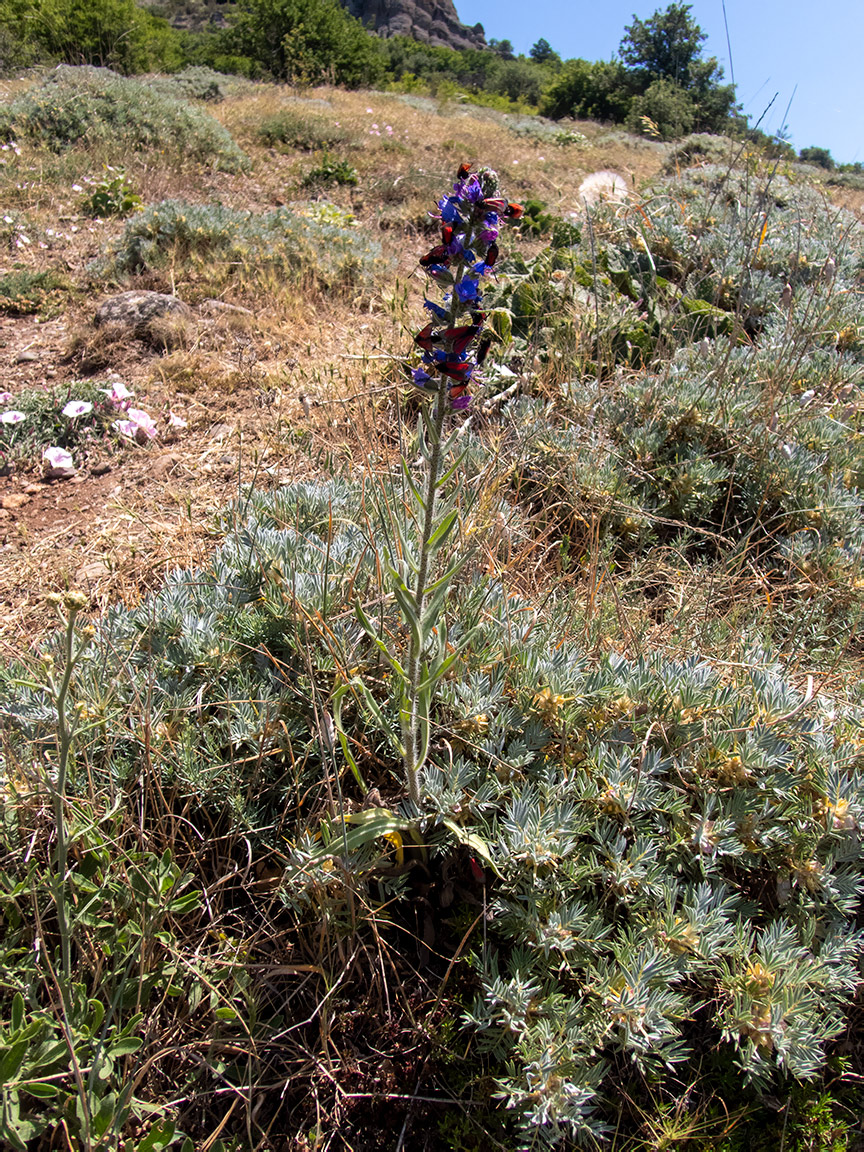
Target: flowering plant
[(469, 217)]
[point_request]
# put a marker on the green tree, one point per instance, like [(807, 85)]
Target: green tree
[(543, 53), (668, 47), (307, 41), (502, 48)]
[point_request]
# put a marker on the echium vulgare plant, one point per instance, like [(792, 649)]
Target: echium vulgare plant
[(454, 345)]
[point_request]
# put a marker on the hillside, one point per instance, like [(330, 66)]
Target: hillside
[(384, 768), (433, 22)]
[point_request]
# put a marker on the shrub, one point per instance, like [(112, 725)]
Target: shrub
[(207, 236), (667, 106), (111, 33), (821, 157), (302, 130), (197, 82), (586, 91), (668, 851), (73, 106)]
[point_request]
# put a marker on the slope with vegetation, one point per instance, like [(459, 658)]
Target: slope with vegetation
[(626, 913)]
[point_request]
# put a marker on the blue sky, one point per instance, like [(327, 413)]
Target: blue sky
[(816, 45)]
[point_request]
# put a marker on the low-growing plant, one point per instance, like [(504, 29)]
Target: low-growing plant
[(304, 131), (331, 172), (227, 242), (71, 106), (113, 195), (23, 291)]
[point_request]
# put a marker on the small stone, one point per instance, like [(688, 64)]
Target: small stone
[(163, 464), (26, 357), (220, 431), (34, 489), (100, 469), (14, 500)]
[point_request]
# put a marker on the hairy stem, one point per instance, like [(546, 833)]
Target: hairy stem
[(411, 729)]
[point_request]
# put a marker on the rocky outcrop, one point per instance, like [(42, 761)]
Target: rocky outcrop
[(434, 22)]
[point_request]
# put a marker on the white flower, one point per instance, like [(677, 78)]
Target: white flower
[(125, 428), (5, 397), (177, 421), (13, 416), (8, 220), (77, 188), (77, 408), (58, 462)]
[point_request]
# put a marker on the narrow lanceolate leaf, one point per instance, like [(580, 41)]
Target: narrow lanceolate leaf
[(474, 842), (439, 536), (372, 633), (338, 696)]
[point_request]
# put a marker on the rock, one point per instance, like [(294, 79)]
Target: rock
[(26, 357), (434, 22), (220, 308), (137, 309), (100, 469), (14, 500), (162, 465)]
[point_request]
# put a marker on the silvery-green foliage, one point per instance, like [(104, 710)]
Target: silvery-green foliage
[(282, 239)]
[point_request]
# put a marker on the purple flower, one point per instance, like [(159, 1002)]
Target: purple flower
[(480, 269), (460, 403), (488, 236), (468, 291), (473, 191), (420, 377)]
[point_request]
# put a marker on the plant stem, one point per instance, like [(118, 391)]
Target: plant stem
[(58, 798), (411, 729)]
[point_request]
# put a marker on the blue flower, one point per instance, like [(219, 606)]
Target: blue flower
[(449, 211), (468, 290), (420, 378), (436, 310)]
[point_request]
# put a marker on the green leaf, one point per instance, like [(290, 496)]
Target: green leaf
[(11, 1061), (17, 1013), (159, 1136), (226, 1013), (501, 323), (439, 536), (338, 697), (42, 1091), (473, 841), (126, 1046)]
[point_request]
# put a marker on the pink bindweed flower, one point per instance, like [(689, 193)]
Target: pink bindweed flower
[(77, 408), (5, 397), (13, 416), (177, 421), (138, 426), (58, 463), (118, 394)]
